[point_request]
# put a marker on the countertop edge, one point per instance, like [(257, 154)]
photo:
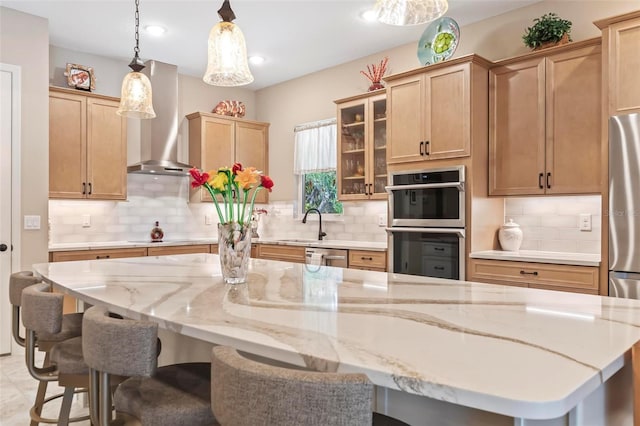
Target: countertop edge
[(558, 258)]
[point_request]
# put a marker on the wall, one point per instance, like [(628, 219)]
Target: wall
[(311, 97), (165, 199), (551, 223), (24, 41)]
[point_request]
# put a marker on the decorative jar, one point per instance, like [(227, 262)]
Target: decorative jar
[(510, 236), (234, 249)]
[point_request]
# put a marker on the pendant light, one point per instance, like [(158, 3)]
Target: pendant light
[(227, 63), (135, 96), (409, 12)]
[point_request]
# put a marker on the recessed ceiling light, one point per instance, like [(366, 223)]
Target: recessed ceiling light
[(155, 30), (256, 60), (369, 15)]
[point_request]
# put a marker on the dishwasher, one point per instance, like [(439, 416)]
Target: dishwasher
[(327, 257)]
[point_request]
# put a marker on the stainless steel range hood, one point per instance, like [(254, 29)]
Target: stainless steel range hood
[(159, 136)]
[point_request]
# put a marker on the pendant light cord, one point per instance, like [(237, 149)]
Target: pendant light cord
[(136, 50)]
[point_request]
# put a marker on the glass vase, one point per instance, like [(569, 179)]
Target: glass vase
[(234, 249)]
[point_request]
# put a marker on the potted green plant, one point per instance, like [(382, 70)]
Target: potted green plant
[(548, 30)]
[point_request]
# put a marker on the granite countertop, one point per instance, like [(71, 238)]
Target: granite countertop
[(581, 259), (337, 244), (520, 352)]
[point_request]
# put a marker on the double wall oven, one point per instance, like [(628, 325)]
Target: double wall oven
[(427, 222)]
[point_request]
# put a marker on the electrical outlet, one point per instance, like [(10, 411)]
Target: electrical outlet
[(584, 223), (31, 222), (382, 220), (86, 221), (207, 219)]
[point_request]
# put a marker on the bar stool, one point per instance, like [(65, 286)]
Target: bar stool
[(171, 395), (42, 317), (245, 392)]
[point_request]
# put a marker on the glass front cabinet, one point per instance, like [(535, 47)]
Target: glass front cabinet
[(362, 146)]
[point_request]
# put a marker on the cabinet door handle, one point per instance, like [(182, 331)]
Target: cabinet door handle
[(439, 268), (366, 258), (370, 189), (548, 180), (540, 176), (426, 148), (421, 148), (84, 188), (90, 188), (103, 257), (529, 273)]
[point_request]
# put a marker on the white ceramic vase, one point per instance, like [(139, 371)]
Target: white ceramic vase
[(510, 236)]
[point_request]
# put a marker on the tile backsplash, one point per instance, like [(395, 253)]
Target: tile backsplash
[(551, 223), (165, 199)]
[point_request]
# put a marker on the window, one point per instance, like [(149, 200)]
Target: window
[(315, 167)]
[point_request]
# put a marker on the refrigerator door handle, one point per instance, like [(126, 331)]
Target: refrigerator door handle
[(624, 275)]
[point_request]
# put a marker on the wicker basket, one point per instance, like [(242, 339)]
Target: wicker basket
[(563, 40)]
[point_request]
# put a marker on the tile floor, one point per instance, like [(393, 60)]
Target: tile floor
[(18, 391)]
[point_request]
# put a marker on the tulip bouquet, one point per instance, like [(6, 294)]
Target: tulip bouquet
[(234, 185)]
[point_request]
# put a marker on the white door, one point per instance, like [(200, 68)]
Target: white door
[(9, 137)]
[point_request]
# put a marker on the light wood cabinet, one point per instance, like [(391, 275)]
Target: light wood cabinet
[(362, 147), (188, 249), (581, 279), (432, 110), (294, 254), (368, 259), (216, 141), (87, 146), (621, 44), (545, 128)]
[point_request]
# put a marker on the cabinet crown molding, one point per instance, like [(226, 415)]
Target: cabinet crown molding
[(472, 58), (604, 23), (77, 92), (595, 42), (199, 114)]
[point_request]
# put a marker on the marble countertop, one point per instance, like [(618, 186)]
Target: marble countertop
[(583, 259), (338, 244), (515, 351)]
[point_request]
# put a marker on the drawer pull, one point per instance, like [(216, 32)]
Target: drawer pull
[(103, 257), (439, 268), (438, 248), (366, 258), (529, 273)]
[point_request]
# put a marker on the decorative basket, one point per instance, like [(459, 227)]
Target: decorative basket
[(563, 40)]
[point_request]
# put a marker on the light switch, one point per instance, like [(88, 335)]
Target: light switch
[(207, 219), (382, 220), (86, 221), (585, 222), (31, 222)]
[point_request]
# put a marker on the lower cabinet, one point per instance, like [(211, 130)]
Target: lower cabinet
[(579, 279), (368, 260), (294, 254), (165, 250), (65, 256)]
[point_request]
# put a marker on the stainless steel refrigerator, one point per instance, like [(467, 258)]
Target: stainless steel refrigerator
[(624, 206)]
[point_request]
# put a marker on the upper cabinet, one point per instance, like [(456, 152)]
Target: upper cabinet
[(431, 110), (216, 141), (362, 147), (545, 122), (621, 45), (87, 146)]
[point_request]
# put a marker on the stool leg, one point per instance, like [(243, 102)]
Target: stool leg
[(65, 409), (40, 395), (94, 397), (105, 399)]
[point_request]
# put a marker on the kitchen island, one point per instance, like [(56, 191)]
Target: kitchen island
[(440, 352)]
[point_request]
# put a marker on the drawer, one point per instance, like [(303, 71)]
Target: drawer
[(364, 259), (278, 252), (536, 275), (439, 267), (439, 249), (64, 256), (165, 250)]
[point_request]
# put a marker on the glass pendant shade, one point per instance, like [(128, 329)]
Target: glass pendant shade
[(135, 97), (409, 12), (227, 64)]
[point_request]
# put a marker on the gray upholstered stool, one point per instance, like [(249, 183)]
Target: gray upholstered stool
[(42, 316), (245, 392), (172, 395)]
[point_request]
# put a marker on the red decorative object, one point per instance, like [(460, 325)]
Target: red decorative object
[(375, 73), (230, 108)]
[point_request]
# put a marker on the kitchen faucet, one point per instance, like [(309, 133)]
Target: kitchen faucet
[(304, 220)]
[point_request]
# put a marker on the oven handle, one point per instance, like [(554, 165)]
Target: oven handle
[(458, 185), (459, 232)]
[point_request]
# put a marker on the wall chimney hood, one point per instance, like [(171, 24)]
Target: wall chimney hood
[(159, 136)]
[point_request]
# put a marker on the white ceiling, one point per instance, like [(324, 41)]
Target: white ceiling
[(296, 37)]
